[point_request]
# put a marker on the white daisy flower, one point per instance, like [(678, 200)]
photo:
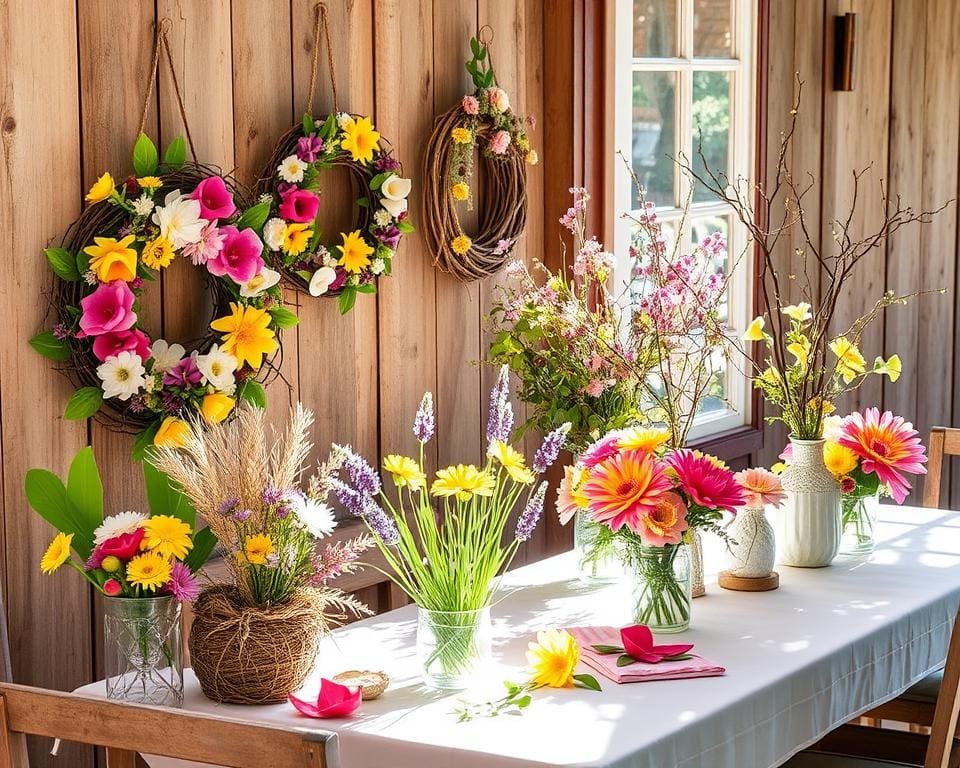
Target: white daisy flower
[(122, 375), (273, 233), (291, 169), (382, 217), (117, 525), (165, 356), (264, 280), (179, 219), (314, 515), (217, 368), (321, 280), (377, 266), (142, 205)]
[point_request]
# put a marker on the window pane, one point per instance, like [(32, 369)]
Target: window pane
[(711, 126), (712, 36), (654, 96), (655, 28)]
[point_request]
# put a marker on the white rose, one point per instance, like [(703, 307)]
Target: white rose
[(273, 233), (498, 99), (321, 280), (395, 188), (262, 281), (395, 207)]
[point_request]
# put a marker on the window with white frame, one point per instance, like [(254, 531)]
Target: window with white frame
[(683, 78)]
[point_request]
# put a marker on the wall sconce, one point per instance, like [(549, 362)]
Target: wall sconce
[(844, 28)]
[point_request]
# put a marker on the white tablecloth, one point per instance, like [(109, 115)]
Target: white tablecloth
[(826, 646)]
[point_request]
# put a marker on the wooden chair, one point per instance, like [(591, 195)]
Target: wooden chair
[(126, 729), (938, 750)]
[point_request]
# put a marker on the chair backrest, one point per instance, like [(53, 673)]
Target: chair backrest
[(944, 441), (947, 712), (126, 729)]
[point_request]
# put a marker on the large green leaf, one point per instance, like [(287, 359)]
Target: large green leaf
[(83, 404), (165, 496), (283, 318), (203, 543), (347, 299), (175, 153), (145, 157), (50, 346), (144, 441), (63, 263), (253, 392), (48, 497), (85, 490), (254, 217)]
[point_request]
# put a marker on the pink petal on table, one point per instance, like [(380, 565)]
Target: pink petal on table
[(304, 707), (637, 640), (334, 700), (672, 650)]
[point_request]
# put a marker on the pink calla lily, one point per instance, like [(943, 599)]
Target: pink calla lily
[(638, 643), (334, 700)]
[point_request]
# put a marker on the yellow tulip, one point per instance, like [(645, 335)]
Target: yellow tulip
[(112, 259), (850, 362), (173, 433), (101, 190), (216, 407), (799, 351)]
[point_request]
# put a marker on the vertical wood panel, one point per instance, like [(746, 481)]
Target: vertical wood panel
[(39, 197)]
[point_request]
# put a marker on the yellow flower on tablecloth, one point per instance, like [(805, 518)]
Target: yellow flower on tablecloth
[(246, 334), (173, 433), (553, 658), (461, 244), (258, 548), (405, 471), (168, 535), (461, 135), (101, 189), (112, 259), (158, 253), (149, 570), (360, 139), (57, 553), (355, 252)]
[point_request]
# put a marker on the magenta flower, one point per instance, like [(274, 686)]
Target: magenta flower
[(308, 147), (115, 342), (109, 308), (339, 281), (389, 236), (183, 584), (207, 247), (705, 482), (215, 199), (184, 374), (334, 700), (299, 205), (601, 450), (240, 256)]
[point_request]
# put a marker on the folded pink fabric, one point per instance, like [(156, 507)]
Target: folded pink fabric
[(639, 672)]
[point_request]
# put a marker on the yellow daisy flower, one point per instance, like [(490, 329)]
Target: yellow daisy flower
[(173, 433), (511, 460), (460, 191), (149, 570), (57, 553), (461, 135), (101, 190), (359, 139), (168, 535), (296, 238), (461, 244), (158, 253), (113, 259), (850, 362), (258, 548), (642, 438), (463, 481), (839, 459), (149, 182), (824, 406), (354, 253), (553, 658), (406, 472), (247, 334)]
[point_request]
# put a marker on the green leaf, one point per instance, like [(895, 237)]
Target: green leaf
[(625, 660), (367, 288), (83, 404), (283, 318), (678, 657), (607, 648), (588, 681), (347, 299), (85, 490), (308, 126), (254, 217), (377, 181), (405, 226), (523, 702), (144, 156), (204, 542), (176, 153), (329, 129), (83, 262), (63, 263), (252, 392), (144, 441), (48, 497), (475, 47), (165, 497), (50, 346)]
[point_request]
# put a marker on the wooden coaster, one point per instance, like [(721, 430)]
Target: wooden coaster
[(745, 584)]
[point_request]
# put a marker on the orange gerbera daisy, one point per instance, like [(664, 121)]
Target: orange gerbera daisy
[(624, 488)]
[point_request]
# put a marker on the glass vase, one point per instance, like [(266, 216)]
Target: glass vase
[(809, 523), (453, 647), (596, 565), (859, 516), (661, 587), (142, 650)]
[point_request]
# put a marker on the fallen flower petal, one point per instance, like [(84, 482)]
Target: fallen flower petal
[(334, 700)]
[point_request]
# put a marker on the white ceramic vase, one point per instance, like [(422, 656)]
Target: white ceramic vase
[(697, 586), (752, 548), (809, 523)]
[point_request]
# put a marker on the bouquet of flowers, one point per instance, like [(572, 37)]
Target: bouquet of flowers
[(648, 499), (548, 334), (449, 561), (247, 488)]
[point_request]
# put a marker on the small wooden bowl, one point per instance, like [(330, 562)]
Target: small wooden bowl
[(371, 684)]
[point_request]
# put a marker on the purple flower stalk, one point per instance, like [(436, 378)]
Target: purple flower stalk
[(424, 424), (363, 477), (531, 513), (386, 162), (500, 418), (380, 523), (242, 515), (348, 498), (227, 506), (550, 449), (272, 496)]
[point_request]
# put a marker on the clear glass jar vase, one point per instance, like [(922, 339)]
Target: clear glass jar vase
[(597, 565), (142, 650), (453, 647), (858, 518), (661, 587)]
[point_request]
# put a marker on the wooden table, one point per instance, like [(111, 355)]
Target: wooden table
[(826, 646)]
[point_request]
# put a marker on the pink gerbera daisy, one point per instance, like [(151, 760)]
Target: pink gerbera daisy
[(183, 584), (625, 488), (761, 487), (601, 450), (888, 447), (706, 483)]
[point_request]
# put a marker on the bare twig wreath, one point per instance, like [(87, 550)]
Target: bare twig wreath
[(130, 232), (289, 186), (482, 120)]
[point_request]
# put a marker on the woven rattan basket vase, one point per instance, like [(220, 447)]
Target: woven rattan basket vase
[(246, 655)]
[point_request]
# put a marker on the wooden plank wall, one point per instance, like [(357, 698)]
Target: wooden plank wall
[(903, 120), (72, 81)]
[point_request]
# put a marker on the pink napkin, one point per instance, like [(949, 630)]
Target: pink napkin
[(639, 672)]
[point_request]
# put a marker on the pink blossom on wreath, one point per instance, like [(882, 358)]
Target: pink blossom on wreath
[(309, 148), (109, 308), (499, 142), (470, 105), (215, 199), (299, 205), (207, 247), (240, 256), (503, 246), (111, 344)]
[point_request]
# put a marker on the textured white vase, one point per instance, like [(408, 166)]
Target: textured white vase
[(697, 586), (809, 523), (753, 546)]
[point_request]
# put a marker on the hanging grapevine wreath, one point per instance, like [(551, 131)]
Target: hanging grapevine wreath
[(483, 120), (289, 187), (130, 232)]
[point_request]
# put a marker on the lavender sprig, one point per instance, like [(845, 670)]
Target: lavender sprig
[(424, 423), (531, 513), (349, 499), (382, 525), (550, 448), (500, 417), (363, 477)]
